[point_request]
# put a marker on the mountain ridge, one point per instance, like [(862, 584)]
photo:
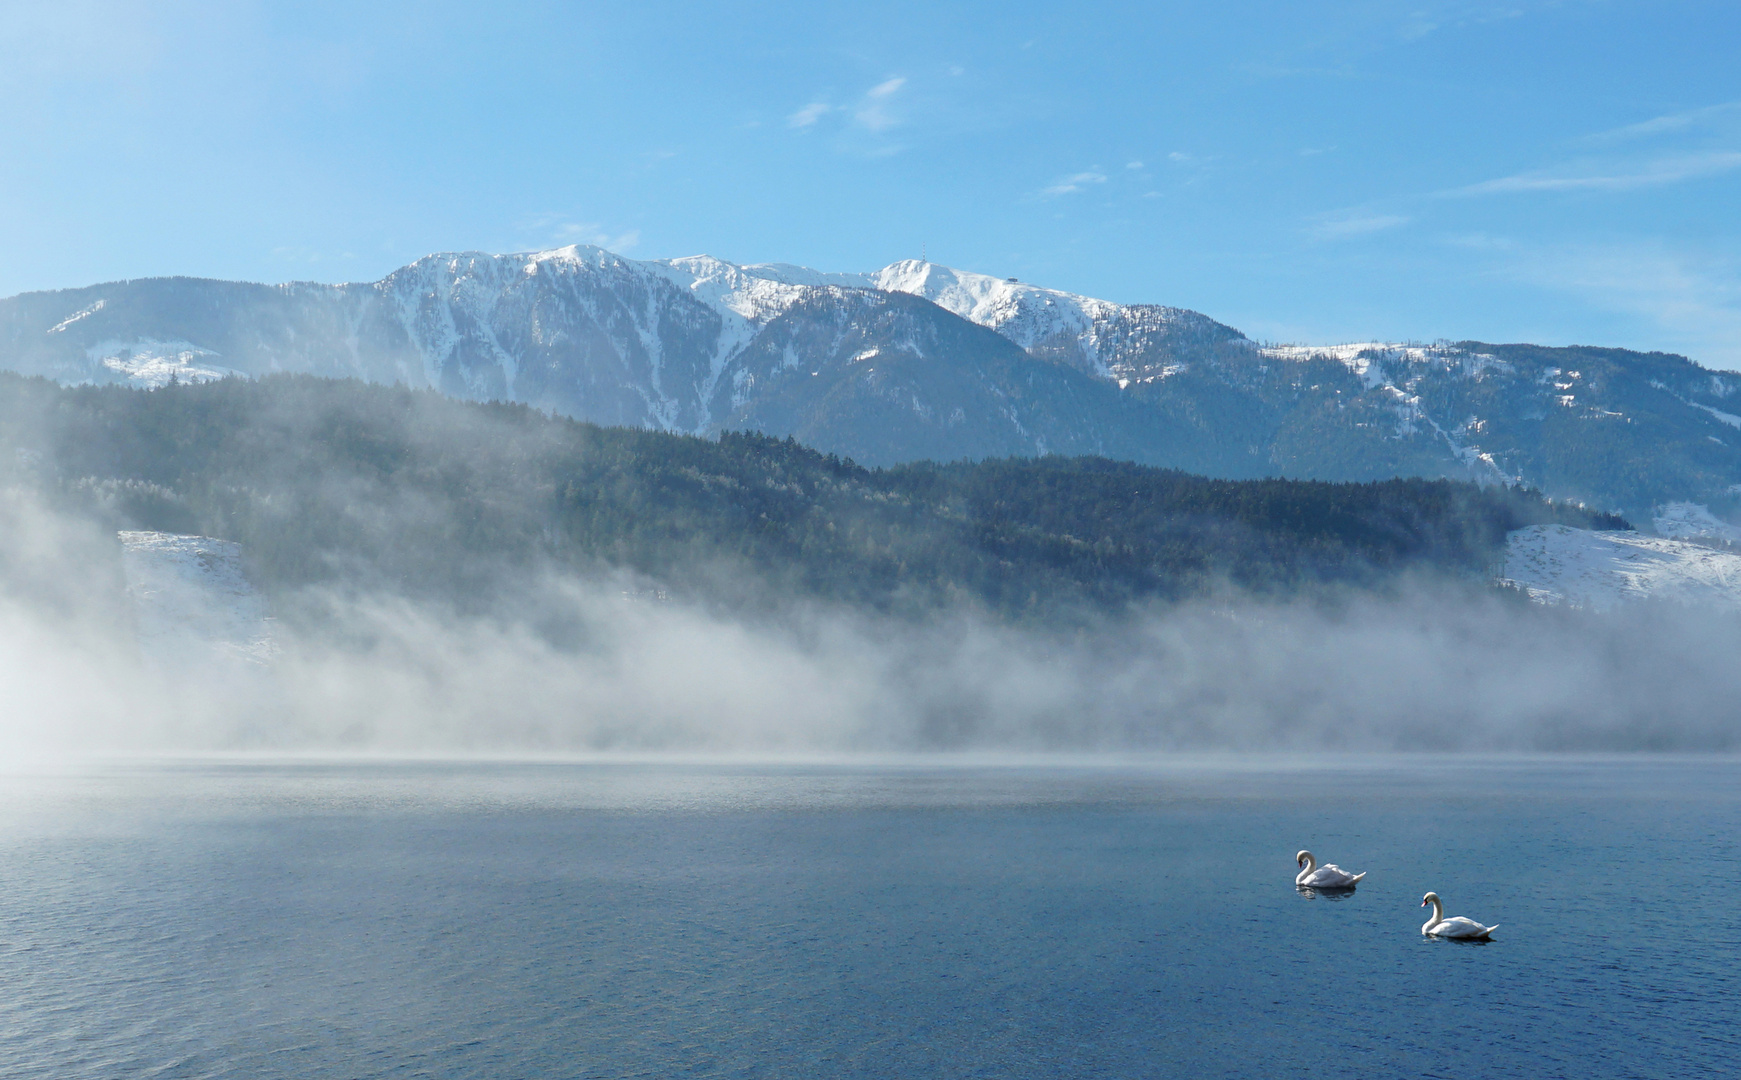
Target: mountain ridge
[(969, 366)]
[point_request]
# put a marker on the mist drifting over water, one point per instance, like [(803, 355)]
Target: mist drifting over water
[(566, 664)]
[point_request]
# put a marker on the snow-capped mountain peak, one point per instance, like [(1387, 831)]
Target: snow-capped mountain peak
[(1122, 343), (571, 255), (755, 293), (1030, 316), (983, 298)]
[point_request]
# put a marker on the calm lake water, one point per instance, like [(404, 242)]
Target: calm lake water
[(311, 920)]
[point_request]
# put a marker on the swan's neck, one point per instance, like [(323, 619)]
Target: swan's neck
[(1311, 865), (1438, 916)]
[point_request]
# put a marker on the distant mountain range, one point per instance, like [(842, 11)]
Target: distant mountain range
[(921, 361)]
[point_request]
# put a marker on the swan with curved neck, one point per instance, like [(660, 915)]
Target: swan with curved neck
[(1454, 927), (1328, 876)]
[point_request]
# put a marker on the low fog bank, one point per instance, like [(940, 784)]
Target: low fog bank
[(607, 664), (1429, 670)]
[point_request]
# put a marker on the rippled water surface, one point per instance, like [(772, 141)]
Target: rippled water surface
[(306, 920)]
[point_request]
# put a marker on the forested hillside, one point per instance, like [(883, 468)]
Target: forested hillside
[(367, 487)]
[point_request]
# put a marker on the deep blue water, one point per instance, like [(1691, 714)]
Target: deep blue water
[(568, 920)]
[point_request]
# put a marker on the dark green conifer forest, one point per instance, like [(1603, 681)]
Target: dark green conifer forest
[(364, 487)]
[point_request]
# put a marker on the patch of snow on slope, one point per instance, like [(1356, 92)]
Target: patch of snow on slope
[(1357, 357), (1373, 361), (191, 602), (1693, 521), (1557, 564), (153, 364)]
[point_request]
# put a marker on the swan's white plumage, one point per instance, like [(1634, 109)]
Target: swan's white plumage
[(1456, 926), (1328, 876)]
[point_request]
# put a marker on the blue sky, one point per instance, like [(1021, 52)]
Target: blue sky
[(1547, 171)]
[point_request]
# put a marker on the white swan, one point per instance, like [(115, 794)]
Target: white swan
[(1328, 876), (1455, 927)]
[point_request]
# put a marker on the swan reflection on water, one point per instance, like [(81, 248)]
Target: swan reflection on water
[(1317, 893), (1434, 939)]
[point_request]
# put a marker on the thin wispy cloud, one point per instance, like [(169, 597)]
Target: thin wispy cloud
[(809, 114), (861, 127), (875, 112), (1343, 225), (557, 230), (1423, 21), (1656, 173), (1069, 185), (1693, 300), (1479, 241), (1344, 40), (1669, 124)]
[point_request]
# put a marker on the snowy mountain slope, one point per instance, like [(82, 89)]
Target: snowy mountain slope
[(152, 364), (1618, 429), (192, 605), (699, 344), (1122, 343), (681, 345), (1692, 521), (577, 329), (498, 325), (877, 377), (1557, 564)]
